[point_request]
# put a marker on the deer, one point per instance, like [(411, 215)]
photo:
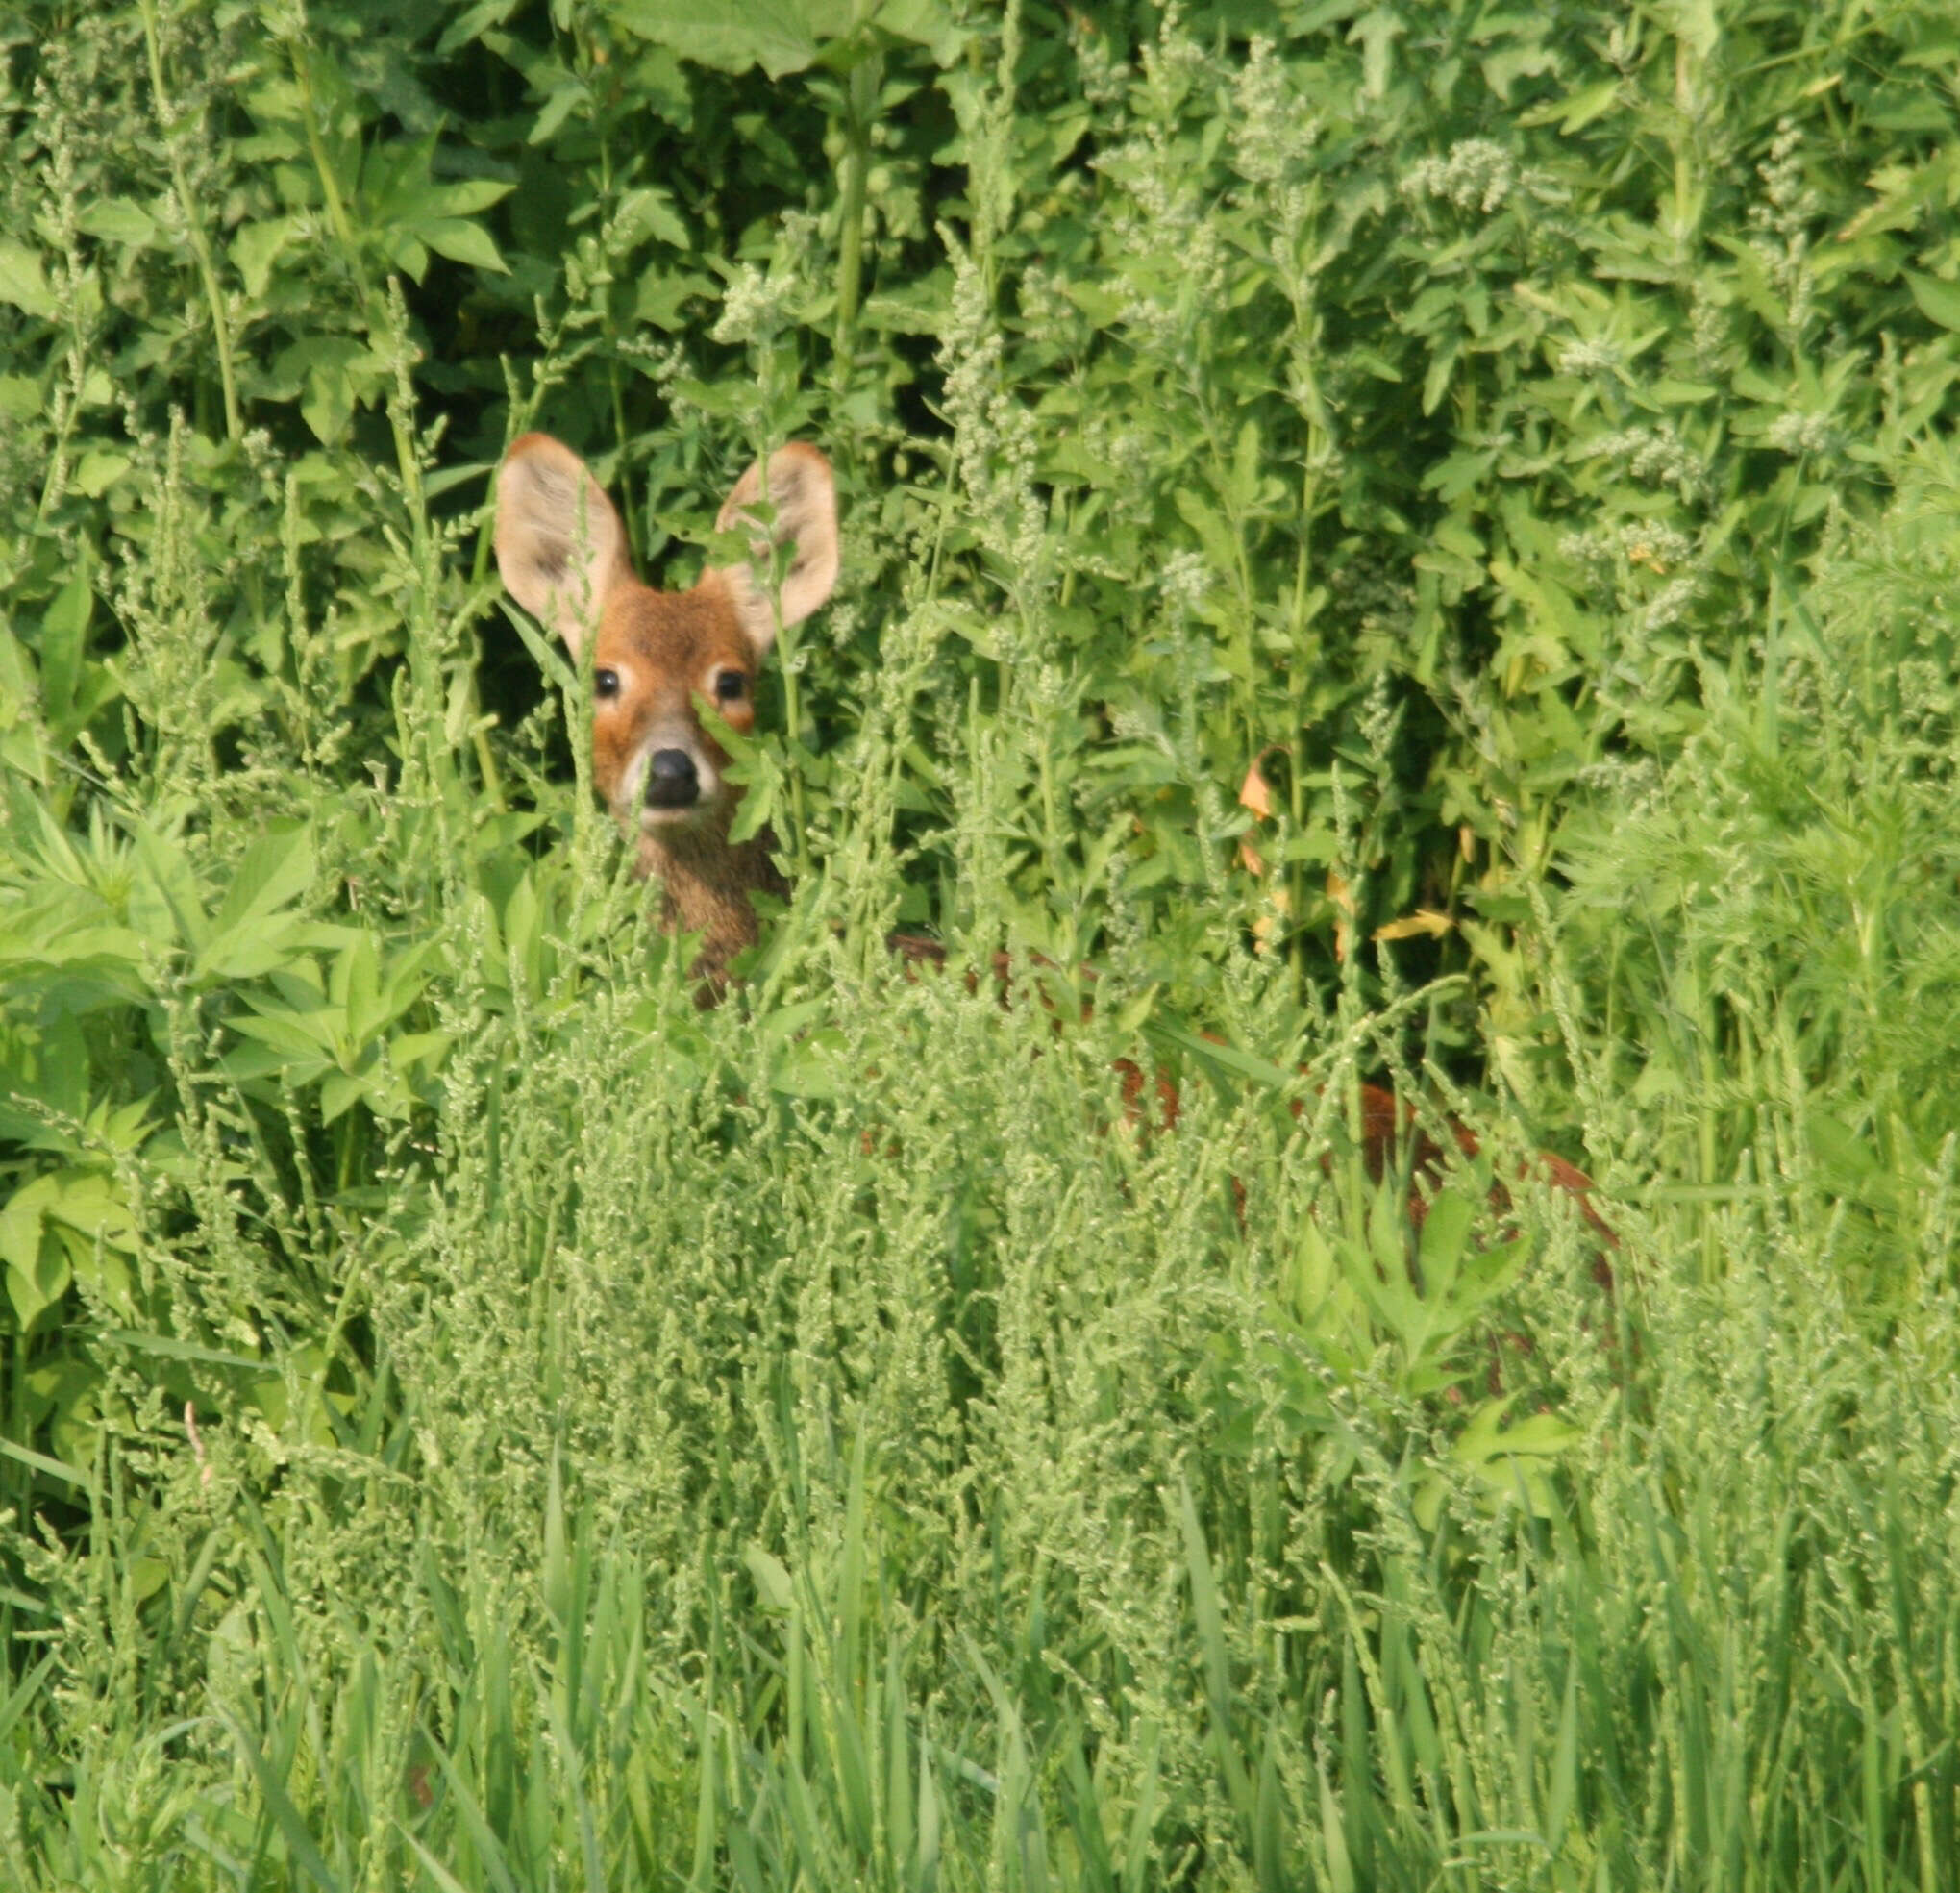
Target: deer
[(561, 551)]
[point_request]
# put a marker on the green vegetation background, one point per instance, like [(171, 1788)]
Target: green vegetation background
[(1415, 539)]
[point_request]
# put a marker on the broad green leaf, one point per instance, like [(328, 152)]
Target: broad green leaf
[(275, 869), (97, 471), (1938, 301), (164, 902), (652, 210), (257, 246), (246, 936), (37, 1274), (467, 197), (927, 23), (779, 36), (118, 220), (1440, 1247), (337, 372), (20, 1221), (88, 1202), (64, 632), (462, 241), (22, 282)]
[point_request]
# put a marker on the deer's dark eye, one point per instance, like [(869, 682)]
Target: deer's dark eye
[(605, 684), (729, 684)]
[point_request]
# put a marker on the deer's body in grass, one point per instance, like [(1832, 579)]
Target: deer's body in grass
[(658, 655), (561, 550)]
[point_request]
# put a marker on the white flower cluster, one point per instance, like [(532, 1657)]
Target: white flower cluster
[(1477, 175), (1607, 557), (1137, 167), (1185, 580), (1657, 454), (1650, 543), (1707, 331), (1164, 219), (1784, 224), (1590, 355), (1046, 313), (1177, 60), (1102, 79), (1669, 606), (1271, 129), (994, 435), (1380, 719), (754, 308), (662, 364), (1633, 781), (1802, 433)]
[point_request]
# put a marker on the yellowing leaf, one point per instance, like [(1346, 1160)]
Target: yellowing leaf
[(1425, 920)]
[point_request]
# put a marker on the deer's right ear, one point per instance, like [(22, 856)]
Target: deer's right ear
[(560, 544)]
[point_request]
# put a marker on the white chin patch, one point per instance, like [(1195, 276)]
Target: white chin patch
[(692, 817)]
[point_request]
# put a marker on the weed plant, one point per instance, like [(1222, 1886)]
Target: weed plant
[(1413, 539)]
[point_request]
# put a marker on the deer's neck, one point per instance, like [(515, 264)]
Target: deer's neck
[(706, 882)]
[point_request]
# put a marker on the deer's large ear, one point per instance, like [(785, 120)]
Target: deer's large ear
[(804, 500), (560, 544)]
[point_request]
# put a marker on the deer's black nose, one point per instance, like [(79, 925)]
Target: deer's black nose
[(671, 781)]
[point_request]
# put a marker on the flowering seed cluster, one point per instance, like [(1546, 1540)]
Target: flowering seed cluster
[(1656, 455), (1474, 175)]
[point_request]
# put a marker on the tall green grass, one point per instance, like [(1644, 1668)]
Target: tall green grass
[(470, 1418)]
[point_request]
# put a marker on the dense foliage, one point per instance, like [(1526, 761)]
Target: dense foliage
[(1413, 539)]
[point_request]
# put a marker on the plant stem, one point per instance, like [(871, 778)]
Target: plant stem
[(200, 243), (860, 93)]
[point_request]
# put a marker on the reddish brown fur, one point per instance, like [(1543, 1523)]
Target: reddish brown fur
[(1388, 1123), (657, 654)]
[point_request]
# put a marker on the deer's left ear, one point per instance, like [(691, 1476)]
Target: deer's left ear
[(560, 544), (803, 497)]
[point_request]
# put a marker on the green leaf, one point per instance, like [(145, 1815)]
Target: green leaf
[(88, 1201), (469, 196), (257, 246), (560, 103), (1938, 301), (771, 1577), (652, 210), (337, 372), (64, 633), (779, 36), (21, 282), (1439, 1251), (165, 901), (275, 868), (473, 24), (340, 1092), (118, 220), (462, 241), (20, 1222), (38, 1273), (927, 23), (299, 1840), (244, 940), (97, 471)]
